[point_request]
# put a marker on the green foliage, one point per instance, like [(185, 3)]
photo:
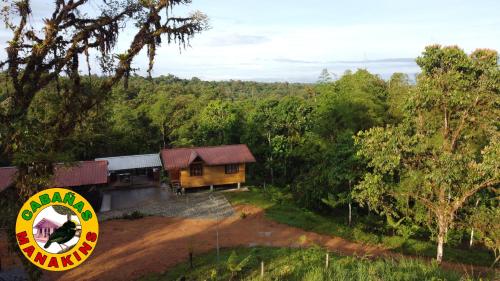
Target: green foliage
[(367, 228), (218, 123), (398, 92), (355, 102), (235, 266), (324, 77), (444, 151), (135, 215), (342, 148), (309, 264), (486, 220)]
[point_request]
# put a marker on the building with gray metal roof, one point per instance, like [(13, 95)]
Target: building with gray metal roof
[(131, 162)]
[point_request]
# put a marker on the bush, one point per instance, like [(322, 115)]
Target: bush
[(135, 215), (304, 265), (360, 235), (276, 194)]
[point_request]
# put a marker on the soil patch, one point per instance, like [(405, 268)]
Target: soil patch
[(130, 249)]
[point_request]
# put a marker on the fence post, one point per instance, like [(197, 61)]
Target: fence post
[(262, 269), (327, 260)]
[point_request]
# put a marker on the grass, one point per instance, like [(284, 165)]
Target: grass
[(301, 264), (286, 212), (135, 215)]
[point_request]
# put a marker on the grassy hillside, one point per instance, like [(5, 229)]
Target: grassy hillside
[(280, 208), (296, 264)]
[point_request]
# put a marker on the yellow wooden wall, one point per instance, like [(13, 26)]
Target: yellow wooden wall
[(212, 175)]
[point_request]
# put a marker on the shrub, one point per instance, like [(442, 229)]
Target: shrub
[(135, 215), (360, 235), (276, 194), (307, 265)]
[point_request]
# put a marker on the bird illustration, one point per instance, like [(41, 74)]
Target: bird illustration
[(63, 234)]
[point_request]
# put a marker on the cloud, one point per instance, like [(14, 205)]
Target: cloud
[(294, 61), (386, 60), (374, 61), (237, 39)]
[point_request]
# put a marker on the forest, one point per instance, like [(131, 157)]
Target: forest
[(413, 157), (358, 143)]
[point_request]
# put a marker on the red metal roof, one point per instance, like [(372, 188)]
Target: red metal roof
[(176, 158), (82, 173), (6, 177)]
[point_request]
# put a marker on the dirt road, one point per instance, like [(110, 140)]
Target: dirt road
[(130, 249), (127, 250)]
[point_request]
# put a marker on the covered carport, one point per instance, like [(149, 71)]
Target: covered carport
[(134, 170)]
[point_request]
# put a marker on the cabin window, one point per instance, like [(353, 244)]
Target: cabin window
[(196, 170), (232, 168)]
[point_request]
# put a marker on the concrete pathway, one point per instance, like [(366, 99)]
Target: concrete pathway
[(162, 202)]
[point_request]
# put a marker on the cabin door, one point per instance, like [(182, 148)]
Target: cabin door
[(175, 174)]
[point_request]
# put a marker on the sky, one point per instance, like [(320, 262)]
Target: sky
[(291, 40)]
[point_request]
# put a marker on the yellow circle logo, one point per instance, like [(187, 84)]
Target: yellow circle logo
[(57, 229)]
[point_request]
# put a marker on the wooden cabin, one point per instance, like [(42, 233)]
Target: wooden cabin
[(207, 166)]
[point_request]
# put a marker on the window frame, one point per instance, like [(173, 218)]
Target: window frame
[(194, 168), (230, 169)]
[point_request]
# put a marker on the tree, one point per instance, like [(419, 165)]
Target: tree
[(354, 102), (447, 147), (343, 169), (217, 123), (170, 115), (398, 92), (292, 120), (324, 76), (486, 221), (260, 131), (48, 60)]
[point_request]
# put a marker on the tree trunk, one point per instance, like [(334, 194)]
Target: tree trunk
[(272, 174), (472, 229), (441, 237), (270, 157), (350, 204), (164, 137), (350, 213), (284, 173), (471, 237), (439, 257)]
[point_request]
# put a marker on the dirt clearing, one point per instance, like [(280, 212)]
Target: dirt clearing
[(127, 250)]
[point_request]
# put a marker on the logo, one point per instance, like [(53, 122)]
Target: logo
[(57, 229)]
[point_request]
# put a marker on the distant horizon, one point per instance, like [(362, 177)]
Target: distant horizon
[(289, 41), (368, 65), (313, 80)]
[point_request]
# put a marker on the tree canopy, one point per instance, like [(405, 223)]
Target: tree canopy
[(446, 149)]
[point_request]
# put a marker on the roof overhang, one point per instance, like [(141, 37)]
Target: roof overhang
[(131, 162), (179, 158)]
